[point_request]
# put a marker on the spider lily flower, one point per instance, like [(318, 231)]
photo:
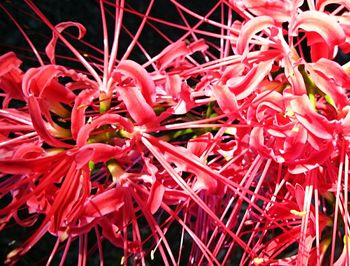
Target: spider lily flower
[(90, 142), (232, 145)]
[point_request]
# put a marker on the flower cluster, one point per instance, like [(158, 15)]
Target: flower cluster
[(225, 148)]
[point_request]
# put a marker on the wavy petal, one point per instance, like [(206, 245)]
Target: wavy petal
[(280, 10), (104, 203), (144, 81), (10, 77), (140, 111), (50, 48), (179, 49), (42, 127), (81, 103), (23, 166), (332, 80), (42, 82), (96, 152), (313, 122), (246, 85), (325, 25), (105, 119), (225, 98), (155, 196), (249, 29)]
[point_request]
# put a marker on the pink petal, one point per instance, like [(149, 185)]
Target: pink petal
[(8, 62), (249, 29), (294, 145), (42, 82), (248, 84), (105, 119), (173, 196), (144, 81), (23, 166), (325, 25), (177, 50), (198, 145), (81, 103), (10, 78), (104, 203), (173, 85), (225, 98), (319, 48), (257, 142), (50, 48), (155, 197), (280, 10), (141, 112), (313, 122), (41, 127), (96, 152), (266, 104), (332, 80), (188, 162)]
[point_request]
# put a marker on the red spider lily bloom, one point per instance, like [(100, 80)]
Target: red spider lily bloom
[(225, 145)]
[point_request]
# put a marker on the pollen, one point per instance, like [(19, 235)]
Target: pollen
[(298, 213), (258, 260), (295, 129), (12, 254), (63, 236), (85, 55), (231, 131), (346, 240), (81, 106), (289, 113)]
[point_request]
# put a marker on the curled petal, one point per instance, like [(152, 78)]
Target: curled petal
[(173, 85), (187, 162), (257, 142), (144, 81), (199, 145), (105, 119), (10, 77), (294, 144), (242, 87), (266, 104), (318, 47), (156, 196), (225, 98), (42, 82), (179, 49), (50, 48), (96, 152), (23, 166), (173, 196), (313, 122), (138, 108), (104, 203), (332, 80), (249, 29), (325, 25), (280, 10), (42, 127), (81, 103), (8, 62)]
